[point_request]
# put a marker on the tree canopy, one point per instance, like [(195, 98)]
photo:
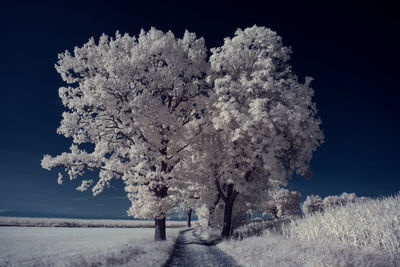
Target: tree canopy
[(167, 120)]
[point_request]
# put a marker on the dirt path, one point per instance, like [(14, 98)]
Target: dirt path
[(191, 250)]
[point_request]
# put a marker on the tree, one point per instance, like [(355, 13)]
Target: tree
[(317, 204), (312, 204), (139, 102), (288, 202), (264, 116), (348, 198), (196, 170), (336, 201), (331, 201), (282, 202), (189, 201)]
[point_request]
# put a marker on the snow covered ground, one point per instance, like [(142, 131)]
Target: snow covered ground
[(59, 246)]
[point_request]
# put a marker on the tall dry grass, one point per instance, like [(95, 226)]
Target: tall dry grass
[(366, 234), (373, 223)]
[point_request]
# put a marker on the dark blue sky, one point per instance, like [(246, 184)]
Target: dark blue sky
[(352, 51)]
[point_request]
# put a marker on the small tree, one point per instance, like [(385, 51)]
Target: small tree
[(264, 116), (336, 201), (189, 201), (138, 100), (312, 204), (331, 201), (281, 202), (348, 198), (287, 202), (315, 203)]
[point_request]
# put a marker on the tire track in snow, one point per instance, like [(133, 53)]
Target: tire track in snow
[(192, 251)]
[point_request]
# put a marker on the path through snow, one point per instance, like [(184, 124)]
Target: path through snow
[(191, 250)]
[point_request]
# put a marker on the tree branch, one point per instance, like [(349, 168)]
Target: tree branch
[(86, 165), (218, 198), (186, 145), (235, 194), (221, 193)]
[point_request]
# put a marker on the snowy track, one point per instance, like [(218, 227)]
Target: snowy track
[(191, 250)]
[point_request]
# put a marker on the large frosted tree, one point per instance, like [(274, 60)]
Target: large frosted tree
[(139, 102), (263, 114)]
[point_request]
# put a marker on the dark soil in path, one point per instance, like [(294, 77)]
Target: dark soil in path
[(191, 250)]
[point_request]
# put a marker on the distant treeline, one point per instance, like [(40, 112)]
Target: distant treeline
[(64, 222)]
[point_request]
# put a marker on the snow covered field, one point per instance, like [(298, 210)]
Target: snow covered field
[(59, 246)]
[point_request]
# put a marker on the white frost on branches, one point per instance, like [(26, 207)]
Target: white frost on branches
[(139, 101), (265, 117), (282, 202), (85, 185), (60, 179), (164, 120), (312, 204)]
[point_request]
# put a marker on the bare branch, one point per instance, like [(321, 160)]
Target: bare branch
[(221, 194)]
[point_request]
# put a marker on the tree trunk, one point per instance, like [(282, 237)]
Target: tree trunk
[(229, 199), (226, 227), (160, 191), (159, 227), (274, 212), (189, 217), (227, 224)]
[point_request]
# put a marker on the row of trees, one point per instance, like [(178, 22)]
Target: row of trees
[(182, 125)]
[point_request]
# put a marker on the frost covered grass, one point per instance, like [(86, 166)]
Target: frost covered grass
[(373, 223), (359, 234), (275, 250), (258, 227), (49, 246), (63, 222)]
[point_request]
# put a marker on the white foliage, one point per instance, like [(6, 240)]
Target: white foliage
[(203, 215), (282, 202), (144, 104), (137, 99), (317, 204), (60, 179), (264, 116), (312, 204), (85, 185)]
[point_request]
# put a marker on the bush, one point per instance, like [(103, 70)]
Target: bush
[(258, 227), (312, 204)]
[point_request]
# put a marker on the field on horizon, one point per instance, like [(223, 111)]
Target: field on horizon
[(65, 222)]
